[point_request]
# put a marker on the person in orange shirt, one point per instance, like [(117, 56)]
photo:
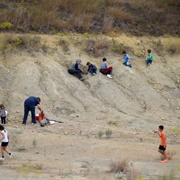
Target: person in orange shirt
[(163, 143)]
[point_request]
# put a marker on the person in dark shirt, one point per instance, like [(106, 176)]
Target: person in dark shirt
[(29, 105), (74, 69), (91, 68)]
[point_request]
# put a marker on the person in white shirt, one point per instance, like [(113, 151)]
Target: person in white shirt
[(4, 142)]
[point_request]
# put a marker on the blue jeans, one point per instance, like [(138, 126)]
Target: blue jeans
[(26, 111), (127, 64), (148, 61)]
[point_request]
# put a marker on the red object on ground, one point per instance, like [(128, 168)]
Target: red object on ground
[(40, 117)]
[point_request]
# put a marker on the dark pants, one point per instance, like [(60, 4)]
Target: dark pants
[(127, 64), (75, 73), (106, 71), (3, 120), (92, 70), (148, 61), (26, 111)]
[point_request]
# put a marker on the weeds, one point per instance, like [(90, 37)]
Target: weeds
[(113, 123), (64, 44), (108, 133), (34, 142), (91, 16), (100, 134), (120, 166)]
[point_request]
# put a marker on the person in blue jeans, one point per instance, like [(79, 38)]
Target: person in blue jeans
[(29, 105), (91, 68), (126, 58)]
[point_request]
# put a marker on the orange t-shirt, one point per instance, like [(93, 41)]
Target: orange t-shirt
[(163, 139)]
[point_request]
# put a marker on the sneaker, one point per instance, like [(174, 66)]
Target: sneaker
[(82, 79), (109, 76), (93, 74), (10, 155), (23, 124), (2, 158), (33, 123)]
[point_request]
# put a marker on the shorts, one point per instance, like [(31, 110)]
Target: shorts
[(162, 148), (4, 144)]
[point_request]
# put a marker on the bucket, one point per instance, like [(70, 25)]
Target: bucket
[(37, 117)]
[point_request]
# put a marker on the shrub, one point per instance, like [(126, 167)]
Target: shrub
[(120, 166), (64, 44), (6, 25), (100, 134), (108, 133)]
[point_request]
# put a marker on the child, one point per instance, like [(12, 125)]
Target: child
[(91, 68), (4, 142), (163, 143), (3, 114), (104, 69), (126, 58), (150, 58)]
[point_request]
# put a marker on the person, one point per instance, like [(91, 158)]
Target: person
[(3, 114), (4, 142), (74, 69), (104, 69), (150, 58), (29, 105), (163, 143), (126, 58), (91, 68)]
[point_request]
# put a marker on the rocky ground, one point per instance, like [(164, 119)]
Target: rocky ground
[(131, 105)]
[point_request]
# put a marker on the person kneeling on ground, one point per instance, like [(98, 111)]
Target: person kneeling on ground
[(74, 69), (91, 68), (126, 58), (150, 58), (104, 69)]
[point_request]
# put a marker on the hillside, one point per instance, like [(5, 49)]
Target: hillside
[(132, 105), (137, 17)]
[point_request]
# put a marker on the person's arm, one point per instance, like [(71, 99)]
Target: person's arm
[(159, 133), (39, 107), (77, 68), (2, 136)]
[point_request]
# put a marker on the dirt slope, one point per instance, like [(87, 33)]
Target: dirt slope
[(131, 105)]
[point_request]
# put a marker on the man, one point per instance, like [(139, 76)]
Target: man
[(29, 105), (74, 69)]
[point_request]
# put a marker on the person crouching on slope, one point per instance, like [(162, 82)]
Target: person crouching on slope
[(126, 58)]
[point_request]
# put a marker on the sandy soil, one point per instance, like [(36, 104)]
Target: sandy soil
[(132, 105)]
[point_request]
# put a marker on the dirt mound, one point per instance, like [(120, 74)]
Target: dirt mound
[(131, 105)]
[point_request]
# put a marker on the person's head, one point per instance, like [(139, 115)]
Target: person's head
[(149, 51), (161, 127), (78, 61), (39, 99), (124, 52), (1, 128), (88, 63), (104, 59), (2, 106)]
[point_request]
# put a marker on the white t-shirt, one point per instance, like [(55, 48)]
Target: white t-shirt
[(5, 136)]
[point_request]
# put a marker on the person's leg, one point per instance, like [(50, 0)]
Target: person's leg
[(2, 151), (6, 150), (1, 120), (79, 74), (102, 71), (26, 111), (108, 71), (33, 117)]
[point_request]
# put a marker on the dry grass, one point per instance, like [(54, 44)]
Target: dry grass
[(119, 166), (135, 16)]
